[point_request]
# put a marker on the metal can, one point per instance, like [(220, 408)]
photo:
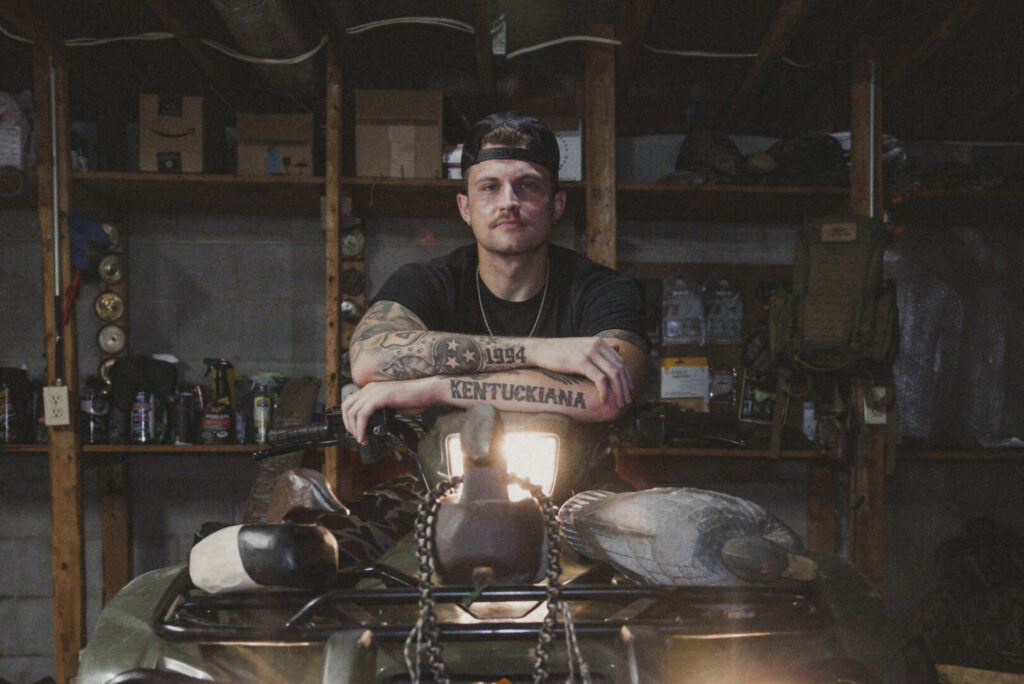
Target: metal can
[(185, 417), (142, 424)]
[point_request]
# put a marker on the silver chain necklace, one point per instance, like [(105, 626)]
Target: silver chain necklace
[(543, 296)]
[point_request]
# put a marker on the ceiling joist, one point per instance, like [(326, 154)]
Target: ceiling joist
[(896, 73), (787, 21), (186, 35), (484, 49), (633, 37)]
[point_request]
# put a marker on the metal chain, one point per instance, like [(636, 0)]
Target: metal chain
[(424, 638)]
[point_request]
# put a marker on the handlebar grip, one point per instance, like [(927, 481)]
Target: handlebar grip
[(297, 434)]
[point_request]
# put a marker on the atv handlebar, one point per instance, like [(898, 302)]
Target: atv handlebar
[(300, 434)]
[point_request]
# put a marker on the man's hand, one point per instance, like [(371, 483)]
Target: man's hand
[(592, 357), (358, 407)]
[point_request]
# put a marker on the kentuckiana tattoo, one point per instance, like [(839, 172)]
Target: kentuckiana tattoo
[(480, 390)]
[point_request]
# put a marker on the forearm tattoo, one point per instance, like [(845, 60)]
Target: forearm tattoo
[(474, 389), (637, 341), (403, 350)]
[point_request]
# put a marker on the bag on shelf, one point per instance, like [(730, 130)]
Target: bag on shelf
[(840, 313)]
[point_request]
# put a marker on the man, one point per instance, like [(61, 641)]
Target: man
[(512, 320)]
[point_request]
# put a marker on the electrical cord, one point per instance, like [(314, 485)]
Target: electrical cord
[(441, 22)]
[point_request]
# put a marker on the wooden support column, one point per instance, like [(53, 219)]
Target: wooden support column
[(115, 523), (867, 475), (335, 469), (66, 519), (599, 147)]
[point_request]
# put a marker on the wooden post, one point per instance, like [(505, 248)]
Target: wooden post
[(599, 147), (115, 523), (332, 466), (67, 529), (867, 475)]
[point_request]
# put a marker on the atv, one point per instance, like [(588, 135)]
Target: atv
[(498, 584)]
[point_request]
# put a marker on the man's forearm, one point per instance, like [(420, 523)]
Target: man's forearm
[(413, 354)]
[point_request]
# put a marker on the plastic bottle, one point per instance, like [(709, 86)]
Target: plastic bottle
[(8, 414), (262, 408), (142, 427), (218, 417)]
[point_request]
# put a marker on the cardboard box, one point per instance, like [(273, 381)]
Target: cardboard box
[(275, 144), (175, 134), (398, 133)]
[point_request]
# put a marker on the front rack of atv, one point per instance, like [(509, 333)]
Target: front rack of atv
[(599, 609)]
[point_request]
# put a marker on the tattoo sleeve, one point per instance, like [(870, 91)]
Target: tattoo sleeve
[(396, 344), (637, 341)]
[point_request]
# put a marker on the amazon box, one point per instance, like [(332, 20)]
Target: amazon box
[(398, 133), (275, 144), (176, 135)]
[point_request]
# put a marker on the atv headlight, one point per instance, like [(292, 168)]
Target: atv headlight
[(530, 455)]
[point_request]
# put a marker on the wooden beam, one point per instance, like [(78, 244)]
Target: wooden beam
[(867, 493), (865, 121), (484, 53), (867, 474), (115, 523), (633, 37), (67, 528), (333, 17), (332, 465), (992, 105), (787, 21), (221, 83), (36, 28), (599, 146), (897, 72)]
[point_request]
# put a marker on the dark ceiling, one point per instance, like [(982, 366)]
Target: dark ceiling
[(947, 69)]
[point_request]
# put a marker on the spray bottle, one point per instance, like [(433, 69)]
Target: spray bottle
[(217, 425)]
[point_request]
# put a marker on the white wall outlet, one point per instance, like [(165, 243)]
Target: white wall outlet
[(55, 406)]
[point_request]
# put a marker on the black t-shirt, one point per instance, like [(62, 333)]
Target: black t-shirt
[(583, 298)]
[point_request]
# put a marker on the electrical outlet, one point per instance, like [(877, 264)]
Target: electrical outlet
[(55, 406)]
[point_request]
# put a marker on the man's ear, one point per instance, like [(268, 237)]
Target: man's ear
[(559, 207), (463, 202)]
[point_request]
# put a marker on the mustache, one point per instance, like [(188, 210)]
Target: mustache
[(505, 216)]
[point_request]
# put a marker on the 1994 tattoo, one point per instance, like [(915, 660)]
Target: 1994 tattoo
[(505, 356)]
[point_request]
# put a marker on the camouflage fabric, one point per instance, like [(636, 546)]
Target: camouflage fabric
[(379, 517)]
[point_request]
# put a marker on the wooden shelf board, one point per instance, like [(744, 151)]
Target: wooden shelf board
[(186, 449), (975, 455), (958, 206), (690, 452), (725, 203), (201, 193), (419, 197), (23, 449), (435, 198), (994, 454)]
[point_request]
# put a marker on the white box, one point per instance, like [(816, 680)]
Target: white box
[(570, 148)]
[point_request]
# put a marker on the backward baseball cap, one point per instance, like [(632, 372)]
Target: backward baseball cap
[(542, 147)]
